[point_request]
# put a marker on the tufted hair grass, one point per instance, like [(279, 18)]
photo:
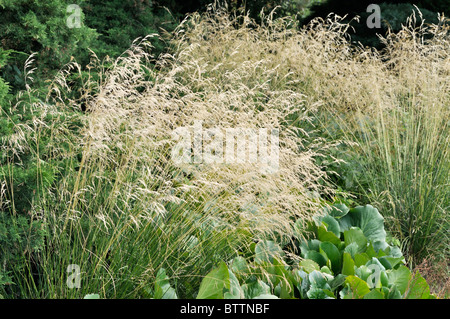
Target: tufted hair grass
[(124, 210)]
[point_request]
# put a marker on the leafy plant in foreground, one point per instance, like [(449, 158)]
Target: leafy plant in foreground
[(351, 248), (349, 256)]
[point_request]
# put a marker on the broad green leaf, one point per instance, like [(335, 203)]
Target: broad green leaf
[(266, 251), (317, 293), (163, 290), (348, 265), (255, 289), (345, 223), (337, 282), (338, 210), (375, 294), (386, 264), (346, 293), (370, 251), (384, 279), (318, 279), (358, 287), (352, 249), (308, 245), (235, 291), (329, 293), (212, 286), (368, 219), (394, 293), (363, 272), (332, 225), (361, 259), (381, 253), (239, 265), (395, 252), (400, 277), (326, 270), (317, 257), (92, 296), (309, 265), (391, 262), (380, 246), (333, 254), (325, 235), (355, 235), (418, 288), (304, 283)]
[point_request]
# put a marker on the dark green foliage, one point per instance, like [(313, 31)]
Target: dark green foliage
[(252, 7), (183, 7), (120, 22), (33, 138), (44, 27), (22, 170), (434, 5), (4, 86), (19, 237), (393, 14), (29, 162), (41, 26), (23, 179), (4, 89), (354, 7)]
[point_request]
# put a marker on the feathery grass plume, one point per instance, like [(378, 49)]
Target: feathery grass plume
[(125, 209), (395, 105), (410, 136), (391, 106)]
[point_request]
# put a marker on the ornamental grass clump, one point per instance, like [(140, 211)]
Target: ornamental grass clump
[(394, 104), (125, 208)]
